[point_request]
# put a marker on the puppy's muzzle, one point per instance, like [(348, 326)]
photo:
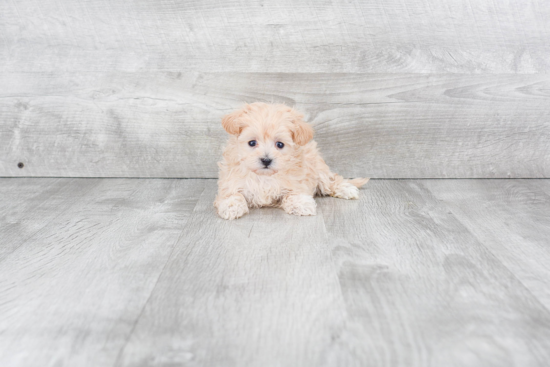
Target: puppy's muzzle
[(266, 162)]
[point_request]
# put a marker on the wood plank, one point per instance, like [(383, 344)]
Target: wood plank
[(402, 276), (259, 291), (511, 218), (71, 293), (422, 36), (539, 185), (25, 215), (23, 193), (162, 124), (421, 290)]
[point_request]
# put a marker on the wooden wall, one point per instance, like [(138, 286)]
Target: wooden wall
[(424, 88)]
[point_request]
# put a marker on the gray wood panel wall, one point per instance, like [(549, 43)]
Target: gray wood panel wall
[(393, 88)]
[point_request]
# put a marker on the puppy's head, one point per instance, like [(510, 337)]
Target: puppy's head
[(268, 136)]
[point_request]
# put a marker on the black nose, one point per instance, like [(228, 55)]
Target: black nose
[(266, 161)]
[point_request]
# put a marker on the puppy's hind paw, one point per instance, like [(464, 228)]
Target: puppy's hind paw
[(232, 207), (299, 205), (346, 191)]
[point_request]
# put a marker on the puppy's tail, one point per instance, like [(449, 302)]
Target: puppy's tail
[(358, 182)]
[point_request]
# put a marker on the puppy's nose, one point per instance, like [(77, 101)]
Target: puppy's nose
[(266, 161)]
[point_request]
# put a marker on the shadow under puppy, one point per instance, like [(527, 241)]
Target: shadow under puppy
[(271, 160)]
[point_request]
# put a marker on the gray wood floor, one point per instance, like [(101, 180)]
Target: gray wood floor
[(141, 272)]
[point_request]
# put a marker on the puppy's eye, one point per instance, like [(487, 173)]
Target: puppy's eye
[(280, 145), (252, 143)]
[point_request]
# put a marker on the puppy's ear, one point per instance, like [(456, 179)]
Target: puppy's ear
[(303, 132), (231, 124)]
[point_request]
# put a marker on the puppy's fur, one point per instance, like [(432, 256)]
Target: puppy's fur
[(288, 177)]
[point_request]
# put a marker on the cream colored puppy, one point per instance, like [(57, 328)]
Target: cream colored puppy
[(270, 160)]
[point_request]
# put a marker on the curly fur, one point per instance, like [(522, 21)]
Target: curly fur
[(297, 172)]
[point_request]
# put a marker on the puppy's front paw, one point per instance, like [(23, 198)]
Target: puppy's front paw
[(346, 191), (232, 207), (299, 205)]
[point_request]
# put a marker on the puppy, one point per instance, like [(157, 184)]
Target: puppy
[(271, 160)]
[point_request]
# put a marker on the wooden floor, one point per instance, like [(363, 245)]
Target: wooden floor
[(141, 272)]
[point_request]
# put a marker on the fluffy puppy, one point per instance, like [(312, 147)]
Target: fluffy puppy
[(271, 160)]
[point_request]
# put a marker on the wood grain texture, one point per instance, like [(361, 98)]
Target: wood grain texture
[(259, 291), (24, 193), (143, 273), (428, 36), (31, 205), (72, 291), (164, 124), (421, 290), (539, 185), (511, 218)]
